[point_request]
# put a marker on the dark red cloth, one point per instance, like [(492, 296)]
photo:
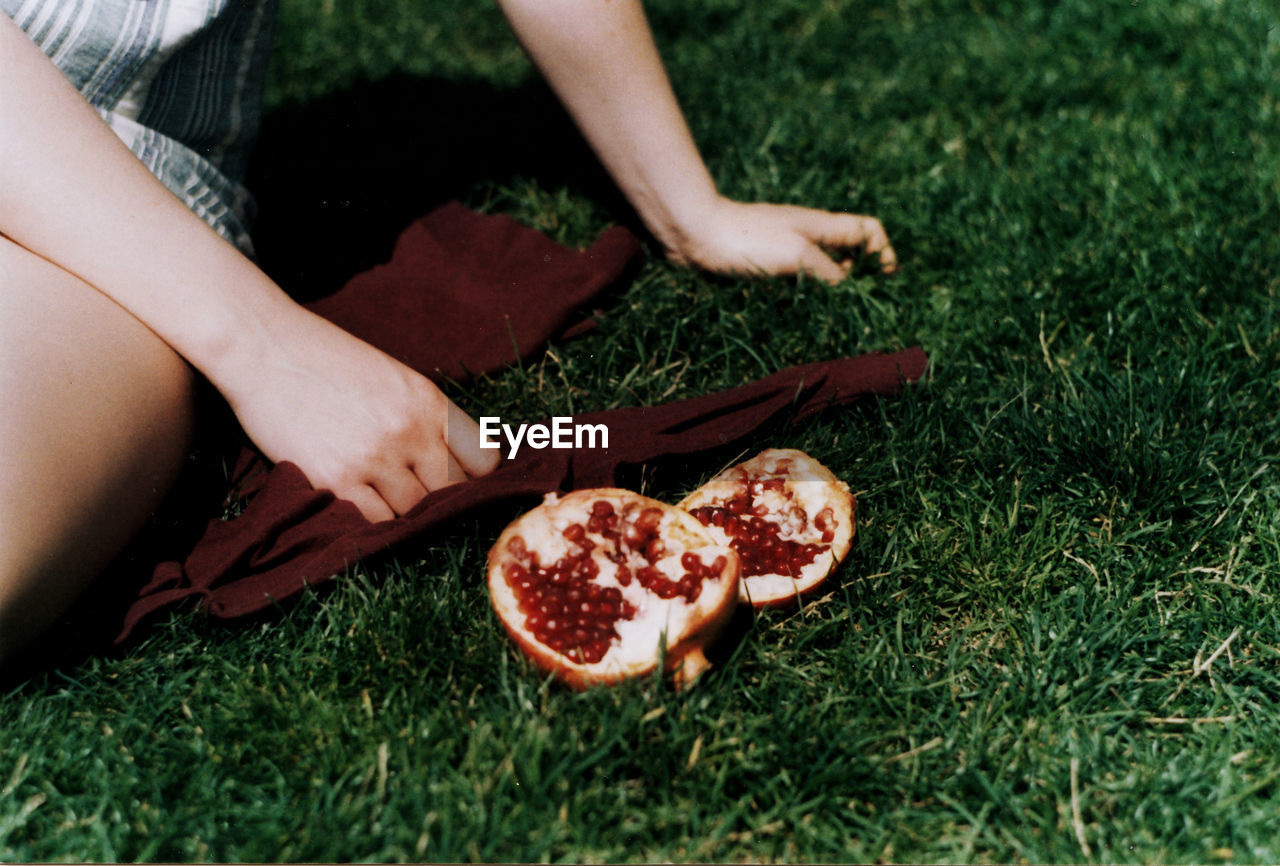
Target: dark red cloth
[(461, 294), (462, 290)]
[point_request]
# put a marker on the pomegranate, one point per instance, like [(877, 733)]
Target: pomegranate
[(790, 520), (602, 585)]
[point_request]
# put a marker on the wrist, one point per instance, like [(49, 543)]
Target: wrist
[(688, 234), (245, 323), (681, 223)]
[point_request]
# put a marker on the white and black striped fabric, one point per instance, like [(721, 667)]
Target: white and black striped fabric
[(180, 81)]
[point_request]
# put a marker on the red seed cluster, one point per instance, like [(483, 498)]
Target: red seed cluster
[(755, 537), (563, 608), (566, 610), (689, 586)]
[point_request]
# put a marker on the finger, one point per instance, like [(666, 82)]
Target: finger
[(434, 468), (433, 479), (372, 506), (456, 472), (401, 490), (877, 243), (840, 230), (462, 436), (815, 262)]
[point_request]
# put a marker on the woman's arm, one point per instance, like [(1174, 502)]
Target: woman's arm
[(600, 58), (353, 419)]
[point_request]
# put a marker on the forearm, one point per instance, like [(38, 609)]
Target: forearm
[(71, 192), (600, 58)]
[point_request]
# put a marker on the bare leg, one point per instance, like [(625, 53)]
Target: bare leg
[(95, 420)]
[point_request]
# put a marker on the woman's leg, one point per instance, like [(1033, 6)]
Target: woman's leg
[(95, 421)]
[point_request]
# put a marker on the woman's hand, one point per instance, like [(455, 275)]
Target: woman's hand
[(601, 60), (770, 239), (353, 419)]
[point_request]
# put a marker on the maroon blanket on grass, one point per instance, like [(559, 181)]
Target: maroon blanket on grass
[(465, 294)]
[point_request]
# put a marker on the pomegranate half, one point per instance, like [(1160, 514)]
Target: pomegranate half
[(788, 517), (602, 585)]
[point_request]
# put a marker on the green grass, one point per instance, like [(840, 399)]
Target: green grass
[(1056, 638)]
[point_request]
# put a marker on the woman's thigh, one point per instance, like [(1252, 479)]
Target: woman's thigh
[(95, 421)]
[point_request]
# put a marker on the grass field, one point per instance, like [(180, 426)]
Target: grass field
[(1056, 638)]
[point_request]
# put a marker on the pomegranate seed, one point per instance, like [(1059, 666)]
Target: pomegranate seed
[(595, 651), (649, 519), (575, 532), (634, 536), (516, 547)]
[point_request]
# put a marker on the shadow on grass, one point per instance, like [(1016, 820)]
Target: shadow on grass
[(337, 179)]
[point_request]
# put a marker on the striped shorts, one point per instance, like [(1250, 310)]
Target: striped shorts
[(180, 81)]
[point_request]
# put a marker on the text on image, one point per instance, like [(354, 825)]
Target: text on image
[(562, 433)]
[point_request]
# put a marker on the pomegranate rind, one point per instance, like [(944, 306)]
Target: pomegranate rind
[(672, 631), (806, 483)]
